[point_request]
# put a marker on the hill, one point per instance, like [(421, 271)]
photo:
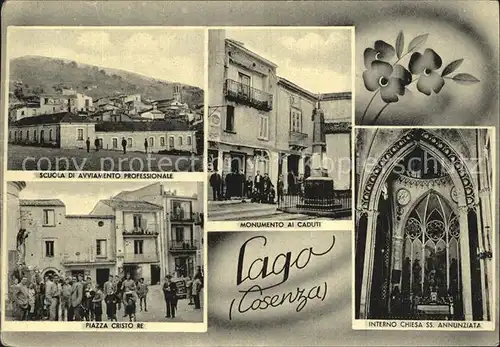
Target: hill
[(45, 75)]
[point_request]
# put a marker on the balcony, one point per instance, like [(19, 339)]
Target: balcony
[(246, 95), (182, 216), (148, 231), (297, 139), (150, 257), (78, 259), (183, 245)]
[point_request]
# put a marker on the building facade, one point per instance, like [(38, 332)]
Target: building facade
[(424, 224), (259, 121)]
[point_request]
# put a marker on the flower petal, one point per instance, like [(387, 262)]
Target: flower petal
[(403, 74), (437, 82), (431, 60), (416, 65), (371, 77), (386, 50), (369, 55), (389, 93), (383, 69), (433, 82)]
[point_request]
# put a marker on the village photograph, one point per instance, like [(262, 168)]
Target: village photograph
[(97, 99), (104, 252), (279, 123)]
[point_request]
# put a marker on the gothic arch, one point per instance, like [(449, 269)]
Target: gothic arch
[(437, 146)]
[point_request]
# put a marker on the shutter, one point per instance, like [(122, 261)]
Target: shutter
[(144, 223)]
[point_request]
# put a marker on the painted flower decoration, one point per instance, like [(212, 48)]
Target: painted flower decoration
[(391, 80), (381, 51), (426, 65)]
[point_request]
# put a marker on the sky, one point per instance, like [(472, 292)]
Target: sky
[(81, 197), (318, 60), (175, 55)]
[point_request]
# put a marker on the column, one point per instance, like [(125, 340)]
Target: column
[(487, 275), (371, 229), (465, 262), (273, 167), (284, 169), (301, 164)]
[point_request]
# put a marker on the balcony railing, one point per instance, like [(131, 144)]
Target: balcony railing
[(183, 245), (297, 139), (246, 95), (84, 258), (181, 216), (150, 257), (150, 230)]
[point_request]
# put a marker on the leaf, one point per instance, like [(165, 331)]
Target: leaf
[(465, 78), (417, 42), (400, 43), (451, 67)]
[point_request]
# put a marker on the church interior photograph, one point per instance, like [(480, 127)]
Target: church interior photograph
[(424, 224)]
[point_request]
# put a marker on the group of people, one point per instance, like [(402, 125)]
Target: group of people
[(54, 297), (257, 189), (97, 145), (57, 298)]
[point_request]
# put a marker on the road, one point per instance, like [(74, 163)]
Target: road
[(55, 159)]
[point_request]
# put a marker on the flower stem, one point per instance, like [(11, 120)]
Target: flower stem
[(404, 55), (379, 113), (366, 109)]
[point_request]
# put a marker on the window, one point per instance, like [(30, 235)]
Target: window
[(137, 221), (230, 118), (34, 112), (244, 84), (295, 120), (138, 246), (22, 113), (179, 234), (151, 142), (53, 109), (46, 100), (50, 135), (180, 140), (49, 218), (87, 103), (21, 135), (27, 134), (188, 141), (115, 142), (79, 134), (34, 134), (263, 127), (129, 142), (171, 142), (100, 248), (15, 135), (49, 248), (162, 141)]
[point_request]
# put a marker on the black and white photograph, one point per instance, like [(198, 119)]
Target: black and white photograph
[(105, 99), (279, 123), (104, 252), (424, 228)]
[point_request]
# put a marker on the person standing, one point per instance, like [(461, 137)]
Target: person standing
[(124, 145), (196, 290), (51, 297), (142, 293), (241, 184), (65, 299), (280, 188), (258, 184), (170, 295), (88, 144), (248, 187), (31, 301), (128, 286), (97, 303), (229, 184), (22, 299), (189, 290), (75, 312), (96, 144), (266, 189), (145, 145), (119, 292), (109, 292), (216, 183)]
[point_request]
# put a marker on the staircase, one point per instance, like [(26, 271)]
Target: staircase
[(236, 210)]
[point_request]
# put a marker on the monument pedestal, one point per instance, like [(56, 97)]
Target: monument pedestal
[(319, 195)]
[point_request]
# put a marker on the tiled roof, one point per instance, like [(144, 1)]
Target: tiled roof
[(155, 125), (338, 127), (41, 202), (54, 118), (131, 205)]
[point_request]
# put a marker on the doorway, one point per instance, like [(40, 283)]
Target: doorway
[(42, 138), (237, 162), (155, 274), (101, 276), (133, 270), (293, 164)]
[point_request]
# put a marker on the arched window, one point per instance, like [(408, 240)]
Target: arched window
[(151, 141), (262, 162), (50, 134), (10, 135), (180, 140), (431, 271), (27, 135), (188, 141), (34, 135), (20, 135), (15, 135), (171, 144)]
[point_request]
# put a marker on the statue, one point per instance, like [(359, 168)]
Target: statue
[(318, 118), (22, 235)]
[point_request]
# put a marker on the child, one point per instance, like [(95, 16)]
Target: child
[(111, 302), (31, 301), (129, 300)]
